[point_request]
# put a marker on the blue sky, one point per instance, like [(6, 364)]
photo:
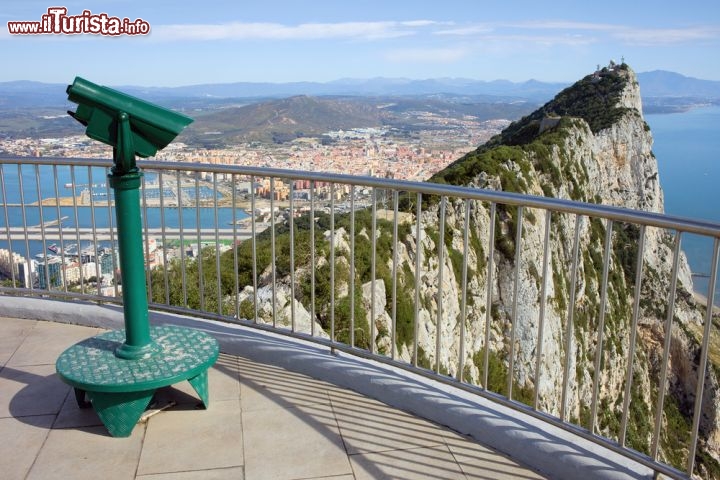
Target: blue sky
[(321, 40)]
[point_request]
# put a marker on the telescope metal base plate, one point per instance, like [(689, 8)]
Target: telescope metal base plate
[(120, 389)]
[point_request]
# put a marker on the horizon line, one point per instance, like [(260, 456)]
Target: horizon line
[(356, 79)]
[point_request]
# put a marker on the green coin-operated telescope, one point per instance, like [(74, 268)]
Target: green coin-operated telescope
[(119, 371), (133, 127)]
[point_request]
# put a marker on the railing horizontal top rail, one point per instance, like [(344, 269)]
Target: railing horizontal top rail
[(618, 214)]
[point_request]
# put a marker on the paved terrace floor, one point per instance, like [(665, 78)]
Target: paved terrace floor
[(264, 422)]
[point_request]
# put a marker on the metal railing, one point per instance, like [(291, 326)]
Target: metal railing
[(258, 245)]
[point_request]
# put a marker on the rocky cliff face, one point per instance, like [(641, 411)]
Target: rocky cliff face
[(589, 144)]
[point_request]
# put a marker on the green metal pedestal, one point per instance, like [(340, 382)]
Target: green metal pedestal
[(120, 389)]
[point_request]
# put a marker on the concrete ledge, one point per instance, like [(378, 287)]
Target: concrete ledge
[(549, 450)]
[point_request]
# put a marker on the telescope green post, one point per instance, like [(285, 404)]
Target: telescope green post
[(132, 127), (125, 180)]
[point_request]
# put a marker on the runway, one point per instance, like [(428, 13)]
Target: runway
[(100, 234)]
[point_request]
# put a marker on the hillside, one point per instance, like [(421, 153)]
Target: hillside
[(282, 120)]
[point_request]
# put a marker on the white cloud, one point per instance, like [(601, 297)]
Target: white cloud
[(569, 32), (422, 23), (276, 31), (562, 25), (526, 41), (467, 30), (666, 36)]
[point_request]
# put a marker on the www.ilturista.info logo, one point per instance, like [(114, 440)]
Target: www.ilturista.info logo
[(57, 22)]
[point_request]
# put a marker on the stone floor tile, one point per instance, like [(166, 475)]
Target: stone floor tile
[(88, 454), (334, 477), (187, 439), (14, 332), (72, 416), (21, 442), (30, 390), (435, 463), (47, 340), (293, 443), (265, 386), (233, 473), (482, 463), (367, 425)]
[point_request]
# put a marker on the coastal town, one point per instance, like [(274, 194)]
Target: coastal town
[(362, 151), (88, 262)]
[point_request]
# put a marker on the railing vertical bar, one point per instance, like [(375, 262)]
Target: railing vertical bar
[(163, 238), (23, 212), (111, 226), (373, 243), (352, 265), (94, 231), (146, 234), (571, 315), (11, 252), (199, 258), (393, 349), (607, 254), (543, 305), (418, 255), (312, 258), (633, 336), (516, 290), (292, 257), (666, 347), (218, 280), (272, 252), (703, 358), (233, 186), (181, 228), (463, 300), (77, 220), (488, 299), (42, 225), (332, 262), (253, 228), (60, 229), (441, 265)]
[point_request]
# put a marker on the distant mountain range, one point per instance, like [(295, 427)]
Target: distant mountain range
[(278, 112), (657, 83), (531, 89), (661, 83)]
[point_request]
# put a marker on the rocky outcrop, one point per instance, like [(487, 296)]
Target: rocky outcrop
[(590, 144)]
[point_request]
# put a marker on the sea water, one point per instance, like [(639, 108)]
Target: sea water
[(687, 147)]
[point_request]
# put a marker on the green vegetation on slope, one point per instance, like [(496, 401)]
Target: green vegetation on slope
[(405, 310), (593, 99)]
